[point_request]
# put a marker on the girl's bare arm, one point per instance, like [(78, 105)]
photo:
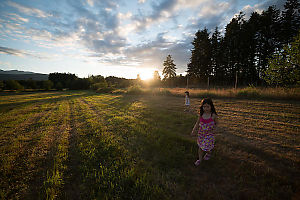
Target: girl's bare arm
[(196, 127)]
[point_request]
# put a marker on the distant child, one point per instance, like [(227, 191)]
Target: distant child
[(205, 127), (187, 101)]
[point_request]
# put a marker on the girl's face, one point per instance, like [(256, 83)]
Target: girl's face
[(206, 108)]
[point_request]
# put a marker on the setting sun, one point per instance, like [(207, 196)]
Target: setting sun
[(146, 74)]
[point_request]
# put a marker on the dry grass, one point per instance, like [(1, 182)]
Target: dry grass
[(246, 93), (257, 149), (119, 146)]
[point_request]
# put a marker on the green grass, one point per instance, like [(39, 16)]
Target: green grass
[(66, 145)]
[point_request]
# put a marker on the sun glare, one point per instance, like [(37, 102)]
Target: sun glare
[(146, 74)]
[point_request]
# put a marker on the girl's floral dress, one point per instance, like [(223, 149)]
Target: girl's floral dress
[(206, 137)]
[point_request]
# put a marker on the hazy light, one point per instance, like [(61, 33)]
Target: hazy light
[(145, 73)]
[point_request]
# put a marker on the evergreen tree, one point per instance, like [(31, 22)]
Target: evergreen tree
[(244, 51), (250, 30), (200, 62), (169, 70), (267, 37), (217, 67), (233, 40), (290, 21)]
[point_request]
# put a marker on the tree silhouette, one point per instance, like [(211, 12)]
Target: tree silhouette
[(216, 53), (200, 62), (290, 21), (169, 70)]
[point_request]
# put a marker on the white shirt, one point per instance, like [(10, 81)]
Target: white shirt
[(187, 101)]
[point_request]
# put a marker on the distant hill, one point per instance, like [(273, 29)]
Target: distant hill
[(21, 75)]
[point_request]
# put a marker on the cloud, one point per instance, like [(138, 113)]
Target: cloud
[(109, 43), (184, 4), (97, 29), (101, 40), (22, 53), (278, 3), (71, 22), (153, 53), (261, 7), (160, 12), (90, 2), (15, 17), (209, 14), (10, 51), (163, 9), (144, 55), (213, 14), (28, 10), (110, 19), (170, 9), (212, 9)]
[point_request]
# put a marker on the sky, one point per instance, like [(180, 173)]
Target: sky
[(120, 38)]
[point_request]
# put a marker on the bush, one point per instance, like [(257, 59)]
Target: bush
[(99, 86), (13, 85), (47, 85), (105, 90), (1, 85), (248, 92), (135, 90), (284, 65), (165, 92), (59, 86)]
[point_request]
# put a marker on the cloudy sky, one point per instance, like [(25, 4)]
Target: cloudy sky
[(109, 37)]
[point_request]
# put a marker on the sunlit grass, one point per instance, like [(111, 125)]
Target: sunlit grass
[(248, 92), (85, 145)]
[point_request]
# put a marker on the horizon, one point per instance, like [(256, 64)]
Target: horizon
[(119, 38), (67, 73)]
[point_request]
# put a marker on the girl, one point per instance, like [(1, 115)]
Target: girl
[(187, 101), (205, 126)]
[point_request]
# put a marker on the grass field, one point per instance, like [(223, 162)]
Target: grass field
[(250, 92), (84, 145)]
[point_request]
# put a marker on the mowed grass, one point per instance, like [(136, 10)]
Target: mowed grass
[(83, 145)]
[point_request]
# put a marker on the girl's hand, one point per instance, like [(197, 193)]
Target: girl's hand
[(193, 133), (196, 127)]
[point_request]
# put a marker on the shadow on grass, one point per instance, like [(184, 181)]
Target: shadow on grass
[(254, 173)]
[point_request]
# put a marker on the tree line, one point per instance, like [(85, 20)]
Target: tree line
[(250, 50), (60, 81)]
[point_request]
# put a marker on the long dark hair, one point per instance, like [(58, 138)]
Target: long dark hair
[(209, 102), (187, 93)]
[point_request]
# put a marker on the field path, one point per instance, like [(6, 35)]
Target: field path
[(73, 180)]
